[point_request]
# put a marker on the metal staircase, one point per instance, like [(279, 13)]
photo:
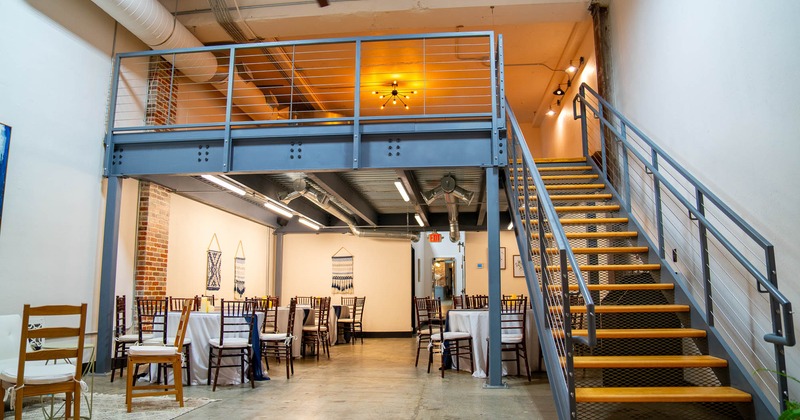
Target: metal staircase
[(622, 333)]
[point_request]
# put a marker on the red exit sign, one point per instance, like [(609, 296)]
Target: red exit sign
[(435, 237)]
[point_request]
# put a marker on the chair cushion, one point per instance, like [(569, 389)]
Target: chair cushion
[(273, 337), (230, 342), (345, 319), (158, 341), (128, 338), (450, 336), (511, 338), (312, 328), (36, 374), (152, 350)]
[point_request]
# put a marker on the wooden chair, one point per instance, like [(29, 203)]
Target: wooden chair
[(122, 340), (461, 302), (305, 300), (161, 355), (236, 319), (279, 345), (316, 336), (354, 322), (422, 321), (176, 304), (152, 316), (513, 313), (34, 379), (457, 344), (479, 301)]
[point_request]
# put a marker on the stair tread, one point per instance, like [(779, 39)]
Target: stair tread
[(594, 235), (555, 187), (565, 168), (595, 221), (644, 333), (611, 267), (615, 309), (564, 177), (560, 160), (662, 394), (644, 362), (603, 250), (630, 286), (571, 197), (581, 209)]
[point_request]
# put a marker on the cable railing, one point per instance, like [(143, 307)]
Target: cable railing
[(727, 267), (427, 77), (550, 267)]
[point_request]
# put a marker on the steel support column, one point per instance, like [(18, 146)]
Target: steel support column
[(495, 378), (279, 264), (108, 276)]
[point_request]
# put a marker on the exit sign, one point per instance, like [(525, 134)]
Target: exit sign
[(435, 237)]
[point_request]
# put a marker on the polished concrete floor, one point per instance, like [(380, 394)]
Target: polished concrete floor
[(376, 380)]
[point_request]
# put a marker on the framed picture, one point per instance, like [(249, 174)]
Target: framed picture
[(502, 258), (517, 261)]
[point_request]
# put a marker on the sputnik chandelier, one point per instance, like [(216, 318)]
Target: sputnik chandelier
[(394, 96)]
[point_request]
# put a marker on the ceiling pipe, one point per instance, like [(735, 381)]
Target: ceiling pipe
[(149, 21), (323, 201), (451, 193)]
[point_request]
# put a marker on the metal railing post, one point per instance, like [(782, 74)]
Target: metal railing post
[(567, 325), (227, 143), (112, 111), (357, 109), (584, 130), (701, 207), (602, 140), (626, 178), (657, 202)]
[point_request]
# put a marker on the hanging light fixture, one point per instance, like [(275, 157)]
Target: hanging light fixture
[(394, 95), (401, 189)]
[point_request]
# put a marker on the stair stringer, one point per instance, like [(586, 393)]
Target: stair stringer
[(738, 374)]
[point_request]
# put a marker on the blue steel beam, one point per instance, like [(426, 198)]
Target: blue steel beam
[(188, 155), (495, 378), (108, 275)]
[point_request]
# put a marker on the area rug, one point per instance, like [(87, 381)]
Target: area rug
[(112, 406)]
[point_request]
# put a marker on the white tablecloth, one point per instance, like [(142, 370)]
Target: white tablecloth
[(476, 322), (202, 328)]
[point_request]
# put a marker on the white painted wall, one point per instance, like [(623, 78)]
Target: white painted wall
[(381, 272), (560, 135), (54, 84), (126, 247), (191, 227), (711, 82), (478, 253)]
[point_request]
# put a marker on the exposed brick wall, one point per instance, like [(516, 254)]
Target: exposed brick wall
[(162, 95), (152, 240)]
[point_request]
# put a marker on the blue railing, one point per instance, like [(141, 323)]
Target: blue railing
[(710, 247), (549, 264)]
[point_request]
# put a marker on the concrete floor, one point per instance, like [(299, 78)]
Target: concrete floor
[(374, 380)]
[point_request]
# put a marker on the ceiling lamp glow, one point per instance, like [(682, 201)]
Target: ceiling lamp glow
[(394, 95), (224, 184), (403, 193), (419, 220), (278, 209), (309, 223)]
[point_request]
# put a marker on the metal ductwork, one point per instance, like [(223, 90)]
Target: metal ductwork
[(323, 201), (156, 27), (452, 193)]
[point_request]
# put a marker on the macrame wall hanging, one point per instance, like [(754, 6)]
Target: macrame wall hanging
[(342, 272), (213, 265), (238, 271)]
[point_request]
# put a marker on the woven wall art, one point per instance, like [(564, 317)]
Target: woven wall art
[(238, 271), (213, 265), (342, 272)]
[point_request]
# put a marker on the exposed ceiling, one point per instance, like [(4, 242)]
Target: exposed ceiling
[(538, 36)]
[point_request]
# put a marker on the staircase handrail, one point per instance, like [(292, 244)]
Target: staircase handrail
[(786, 339), (611, 123), (551, 323)]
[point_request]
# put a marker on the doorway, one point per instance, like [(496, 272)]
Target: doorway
[(443, 284)]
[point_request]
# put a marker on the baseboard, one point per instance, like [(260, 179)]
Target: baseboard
[(388, 334)]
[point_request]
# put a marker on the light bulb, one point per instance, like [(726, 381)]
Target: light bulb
[(550, 112)]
